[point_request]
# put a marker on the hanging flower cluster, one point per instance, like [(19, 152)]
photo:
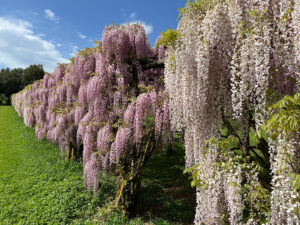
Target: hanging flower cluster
[(101, 104), (227, 60), (283, 127), (196, 78), (285, 202), (231, 59)]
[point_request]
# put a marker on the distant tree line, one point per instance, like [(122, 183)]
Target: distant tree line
[(13, 81)]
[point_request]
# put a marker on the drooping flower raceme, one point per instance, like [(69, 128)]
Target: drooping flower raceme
[(230, 59)]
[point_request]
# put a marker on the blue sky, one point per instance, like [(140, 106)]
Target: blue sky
[(48, 32)]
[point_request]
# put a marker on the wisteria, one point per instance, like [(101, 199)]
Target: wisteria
[(113, 104), (101, 105), (284, 198), (232, 59)]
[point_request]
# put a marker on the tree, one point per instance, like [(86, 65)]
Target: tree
[(32, 73), (10, 82), (107, 106)]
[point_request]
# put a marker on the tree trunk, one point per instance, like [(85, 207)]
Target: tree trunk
[(74, 152), (128, 195), (130, 182)]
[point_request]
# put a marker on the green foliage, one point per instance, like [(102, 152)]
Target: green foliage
[(248, 30), (118, 219), (295, 180), (32, 73), (63, 108), (244, 29), (257, 14), (201, 6), (98, 47), (148, 122), (168, 38), (89, 51), (144, 89), (229, 159), (3, 99), (257, 202), (285, 120), (286, 16), (285, 116), (196, 181), (86, 52), (10, 82)]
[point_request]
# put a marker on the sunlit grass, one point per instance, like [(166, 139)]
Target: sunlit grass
[(36, 185)]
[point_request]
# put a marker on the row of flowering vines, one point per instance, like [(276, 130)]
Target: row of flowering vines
[(105, 107), (225, 64), (230, 60)]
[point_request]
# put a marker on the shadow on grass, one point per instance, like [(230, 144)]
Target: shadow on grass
[(166, 192)]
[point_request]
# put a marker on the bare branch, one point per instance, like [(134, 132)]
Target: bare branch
[(153, 64)]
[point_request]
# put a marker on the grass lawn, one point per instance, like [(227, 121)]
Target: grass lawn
[(36, 185)]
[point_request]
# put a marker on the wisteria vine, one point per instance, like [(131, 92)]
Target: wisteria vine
[(104, 106), (230, 61), (227, 62)]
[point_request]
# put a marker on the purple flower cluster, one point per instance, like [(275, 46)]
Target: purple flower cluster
[(94, 101)]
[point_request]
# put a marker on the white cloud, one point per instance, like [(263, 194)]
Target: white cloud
[(20, 47), (132, 15), (134, 20), (81, 35), (51, 16), (148, 27)]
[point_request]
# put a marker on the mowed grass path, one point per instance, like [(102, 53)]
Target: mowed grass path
[(36, 185)]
